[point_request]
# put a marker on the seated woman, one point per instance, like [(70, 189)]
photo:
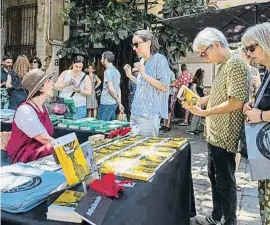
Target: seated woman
[(32, 130)]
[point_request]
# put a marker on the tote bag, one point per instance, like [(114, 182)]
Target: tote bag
[(258, 144)]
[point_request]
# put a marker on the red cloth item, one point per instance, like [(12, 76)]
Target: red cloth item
[(119, 132), (124, 131), (107, 186), (22, 148)]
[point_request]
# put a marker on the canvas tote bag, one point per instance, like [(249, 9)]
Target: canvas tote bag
[(258, 144)]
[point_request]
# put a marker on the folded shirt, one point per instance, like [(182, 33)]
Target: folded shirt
[(23, 187)]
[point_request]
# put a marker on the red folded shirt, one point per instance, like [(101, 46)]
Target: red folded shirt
[(107, 186)]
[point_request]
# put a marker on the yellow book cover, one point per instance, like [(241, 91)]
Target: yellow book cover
[(139, 173), (69, 199), (69, 154), (185, 94)]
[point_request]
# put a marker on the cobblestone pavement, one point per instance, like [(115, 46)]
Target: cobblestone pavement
[(247, 200)]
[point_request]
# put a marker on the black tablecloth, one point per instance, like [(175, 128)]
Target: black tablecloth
[(82, 135), (167, 200)]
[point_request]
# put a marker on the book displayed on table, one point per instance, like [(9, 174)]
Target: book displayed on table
[(69, 154), (185, 94), (63, 207), (46, 163), (93, 207)]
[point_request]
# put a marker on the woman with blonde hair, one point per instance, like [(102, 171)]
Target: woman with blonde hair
[(256, 41), (16, 90)]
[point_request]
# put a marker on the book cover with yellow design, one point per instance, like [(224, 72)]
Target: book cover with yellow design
[(139, 173), (185, 94), (63, 207), (69, 154)]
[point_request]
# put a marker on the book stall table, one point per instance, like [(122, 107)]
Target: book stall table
[(96, 127), (166, 198)]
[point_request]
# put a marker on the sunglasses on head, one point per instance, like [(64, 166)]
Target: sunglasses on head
[(136, 44), (204, 53), (251, 48)]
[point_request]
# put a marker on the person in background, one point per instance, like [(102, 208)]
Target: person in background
[(167, 122), (223, 120), (75, 84), (111, 92), (17, 93), (132, 88), (152, 85), (256, 41), (7, 66), (91, 101), (32, 130), (184, 79), (197, 87), (35, 62)]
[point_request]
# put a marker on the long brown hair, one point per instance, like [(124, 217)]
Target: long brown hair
[(198, 77), (21, 66)]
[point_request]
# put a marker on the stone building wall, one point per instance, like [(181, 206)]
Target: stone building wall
[(49, 38)]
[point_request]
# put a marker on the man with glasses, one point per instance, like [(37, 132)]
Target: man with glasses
[(224, 120)]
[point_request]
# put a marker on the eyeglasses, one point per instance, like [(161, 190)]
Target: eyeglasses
[(136, 44), (251, 48), (204, 53)]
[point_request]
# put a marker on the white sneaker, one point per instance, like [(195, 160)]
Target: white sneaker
[(206, 220)]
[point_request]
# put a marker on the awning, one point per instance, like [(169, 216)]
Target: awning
[(232, 21)]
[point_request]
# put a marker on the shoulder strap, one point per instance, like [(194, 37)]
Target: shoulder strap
[(82, 79), (262, 91), (79, 84)]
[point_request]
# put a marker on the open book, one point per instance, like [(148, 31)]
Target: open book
[(185, 94)]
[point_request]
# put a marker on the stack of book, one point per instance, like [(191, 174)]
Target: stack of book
[(73, 206)]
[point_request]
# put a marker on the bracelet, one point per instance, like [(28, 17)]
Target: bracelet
[(261, 116)]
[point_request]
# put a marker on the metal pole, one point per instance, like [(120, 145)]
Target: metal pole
[(145, 10)]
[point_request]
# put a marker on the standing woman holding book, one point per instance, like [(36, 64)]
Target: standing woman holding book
[(16, 90), (256, 41), (74, 83), (150, 102)]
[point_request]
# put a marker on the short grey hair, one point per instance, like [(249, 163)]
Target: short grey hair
[(209, 36), (146, 35), (109, 56), (258, 34)]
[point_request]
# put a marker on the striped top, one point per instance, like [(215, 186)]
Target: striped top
[(148, 100)]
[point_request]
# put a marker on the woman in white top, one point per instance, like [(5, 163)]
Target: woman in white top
[(75, 84)]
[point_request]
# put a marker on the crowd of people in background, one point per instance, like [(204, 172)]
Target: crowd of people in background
[(154, 87)]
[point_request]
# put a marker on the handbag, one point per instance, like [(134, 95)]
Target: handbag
[(258, 144), (59, 107)]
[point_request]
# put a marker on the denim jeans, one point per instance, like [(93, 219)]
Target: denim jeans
[(107, 112), (145, 126), (195, 122), (80, 114), (221, 172)]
